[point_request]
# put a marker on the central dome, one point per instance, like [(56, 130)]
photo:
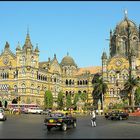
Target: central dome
[(126, 22), (68, 61)]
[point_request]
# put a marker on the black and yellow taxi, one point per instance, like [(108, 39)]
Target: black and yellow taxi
[(60, 120)]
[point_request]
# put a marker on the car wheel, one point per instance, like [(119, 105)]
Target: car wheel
[(120, 118), (64, 127), (126, 118), (48, 128), (74, 124)]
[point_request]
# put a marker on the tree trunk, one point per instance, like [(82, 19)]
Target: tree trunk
[(102, 102)]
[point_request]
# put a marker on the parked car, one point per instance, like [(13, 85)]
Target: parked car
[(2, 114), (34, 110), (46, 112), (117, 115), (60, 120)]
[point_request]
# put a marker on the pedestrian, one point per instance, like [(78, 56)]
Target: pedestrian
[(93, 118)]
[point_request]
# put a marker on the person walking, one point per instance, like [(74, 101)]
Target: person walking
[(93, 118)]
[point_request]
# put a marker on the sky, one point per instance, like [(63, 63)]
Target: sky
[(80, 28)]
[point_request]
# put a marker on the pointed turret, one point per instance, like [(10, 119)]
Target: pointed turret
[(18, 48), (54, 56), (28, 43), (36, 49), (104, 56), (7, 45)]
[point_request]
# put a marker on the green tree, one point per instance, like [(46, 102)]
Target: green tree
[(137, 96), (68, 101), (48, 99), (76, 98), (129, 88), (99, 88), (60, 100), (83, 96)]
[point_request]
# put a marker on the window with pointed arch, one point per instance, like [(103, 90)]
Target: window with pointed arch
[(32, 88), (23, 72), (118, 91), (15, 88), (111, 92), (23, 60), (38, 89), (23, 88), (32, 74), (32, 61)]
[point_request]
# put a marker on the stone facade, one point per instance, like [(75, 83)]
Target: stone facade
[(123, 60), (22, 75)]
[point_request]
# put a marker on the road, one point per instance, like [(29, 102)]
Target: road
[(31, 126)]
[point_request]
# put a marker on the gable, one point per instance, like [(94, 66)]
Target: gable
[(118, 63), (55, 67), (7, 58)]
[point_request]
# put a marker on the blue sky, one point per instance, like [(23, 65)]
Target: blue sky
[(80, 28)]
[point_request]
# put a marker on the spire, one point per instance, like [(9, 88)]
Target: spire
[(55, 56), (7, 45), (139, 31), (18, 46), (27, 41), (36, 49), (27, 30), (104, 55)]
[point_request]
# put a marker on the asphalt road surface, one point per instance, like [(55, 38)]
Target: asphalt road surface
[(32, 127)]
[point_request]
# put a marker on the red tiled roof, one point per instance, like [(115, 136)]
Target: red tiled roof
[(92, 70)]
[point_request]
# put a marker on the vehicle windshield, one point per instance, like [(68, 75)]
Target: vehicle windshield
[(56, 115)]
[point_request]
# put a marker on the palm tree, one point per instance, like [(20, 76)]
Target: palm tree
[(99, 88), (130, 87)]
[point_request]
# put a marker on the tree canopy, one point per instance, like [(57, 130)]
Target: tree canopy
[(60, 101), (48, 99)]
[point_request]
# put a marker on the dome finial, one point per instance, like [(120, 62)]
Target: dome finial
[(67, 53), (125, 14), (28, 29)]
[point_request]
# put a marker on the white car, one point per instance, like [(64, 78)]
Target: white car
[(35, 110), (2, 115)]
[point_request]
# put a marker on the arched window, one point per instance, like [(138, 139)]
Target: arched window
[(86, 82), (118, 91), (32, 61), (23, 60), (23, 88), (66, 93), (15, 88), (38, 89), (23, 72), (80, 82), (66, 82), (79, 92), (70, 82), (77, 82), (111, 92), (32, 88), (32, 74), (55, 79)]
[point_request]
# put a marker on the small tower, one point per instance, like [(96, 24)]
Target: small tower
[(104, 66), (7, 46), (139, 32), (133, 63)]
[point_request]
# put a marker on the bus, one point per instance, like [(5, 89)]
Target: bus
[(22, 105)]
